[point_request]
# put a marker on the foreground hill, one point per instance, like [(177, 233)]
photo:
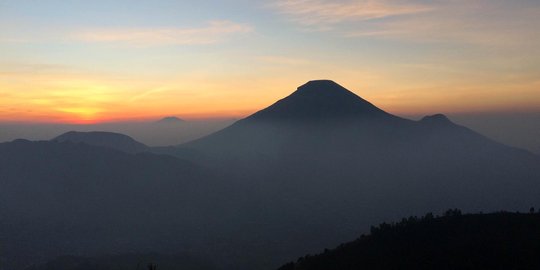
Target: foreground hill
[(105, 139), (454, 241)]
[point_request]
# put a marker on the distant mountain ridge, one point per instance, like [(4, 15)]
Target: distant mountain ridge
[(104, 139)]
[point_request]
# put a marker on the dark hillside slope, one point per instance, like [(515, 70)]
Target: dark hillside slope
[(454, 241), (72, 198), (135, 261)]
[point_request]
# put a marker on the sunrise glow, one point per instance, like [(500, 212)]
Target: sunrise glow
[(59, 63)]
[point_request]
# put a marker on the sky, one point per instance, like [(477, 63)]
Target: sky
[(100, 61)]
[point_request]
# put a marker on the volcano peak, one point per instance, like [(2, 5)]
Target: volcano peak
[(319, 99)]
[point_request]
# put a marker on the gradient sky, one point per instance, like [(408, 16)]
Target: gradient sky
[(91, 61)]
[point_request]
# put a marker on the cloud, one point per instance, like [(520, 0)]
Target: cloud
[(213, 32), (487, 23), (482, 23), (325, 14)]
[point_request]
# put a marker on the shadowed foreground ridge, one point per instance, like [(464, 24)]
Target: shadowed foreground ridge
[(453, 241)]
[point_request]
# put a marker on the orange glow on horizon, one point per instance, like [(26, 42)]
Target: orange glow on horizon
[(90, 99), (415, 57)]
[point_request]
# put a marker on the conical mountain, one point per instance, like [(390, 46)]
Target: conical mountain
[(319, 99), (320, 113), (332, 159), (324, 120)]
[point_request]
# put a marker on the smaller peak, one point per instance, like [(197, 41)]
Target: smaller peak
[(71, 133), (83, 134), (170, 119), (436, 118), (113, 140), (21, 141)]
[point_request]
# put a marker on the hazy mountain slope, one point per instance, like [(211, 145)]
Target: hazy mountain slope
[(66, 198), (106, 139), (124, 262), (454, 241)]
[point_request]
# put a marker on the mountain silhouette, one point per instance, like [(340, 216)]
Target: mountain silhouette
[(317, 100), (325, 117), (329, 172), (314, 114), (105, 139), (170, 120)]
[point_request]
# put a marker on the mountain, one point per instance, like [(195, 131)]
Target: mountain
[(105, 139), (324, 122), (170, 120), (317, 101), (453, 241), (61, 198), (315, 111), (323, 162), (308, 172)]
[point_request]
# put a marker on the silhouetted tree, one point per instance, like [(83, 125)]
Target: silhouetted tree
[(501, 240), (452, 213)]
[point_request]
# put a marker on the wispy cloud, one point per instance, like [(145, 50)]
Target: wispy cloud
[(327, 14), (485, 23), (213, 32), (494, 23)]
